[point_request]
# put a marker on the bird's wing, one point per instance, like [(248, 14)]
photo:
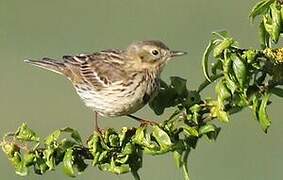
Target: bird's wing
[(99, 69)]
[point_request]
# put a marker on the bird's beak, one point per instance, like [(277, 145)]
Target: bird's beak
[(177, 53)]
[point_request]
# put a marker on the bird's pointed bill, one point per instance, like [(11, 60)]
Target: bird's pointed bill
[(177, 53)]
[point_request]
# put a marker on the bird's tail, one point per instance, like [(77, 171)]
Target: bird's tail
[(49, 64)]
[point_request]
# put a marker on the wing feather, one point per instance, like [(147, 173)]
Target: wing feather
[(98, 69)]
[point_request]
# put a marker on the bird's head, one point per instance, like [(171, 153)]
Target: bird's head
[(151, 54)]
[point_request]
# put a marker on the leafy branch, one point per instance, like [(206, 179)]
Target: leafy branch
[(244, 78)]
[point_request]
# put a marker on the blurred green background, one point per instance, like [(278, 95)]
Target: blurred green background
[(46, 101)]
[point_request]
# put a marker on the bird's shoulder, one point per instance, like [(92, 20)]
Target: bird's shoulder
[(108, 56), (100, 68)]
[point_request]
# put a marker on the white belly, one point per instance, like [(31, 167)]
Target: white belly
[(112, 101)]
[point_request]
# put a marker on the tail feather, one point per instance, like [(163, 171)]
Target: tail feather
[(49, 64)]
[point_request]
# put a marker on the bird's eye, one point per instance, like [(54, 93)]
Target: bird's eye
[(155, 52)]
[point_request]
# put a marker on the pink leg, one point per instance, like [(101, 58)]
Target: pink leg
[(96, 127), (143, 121)]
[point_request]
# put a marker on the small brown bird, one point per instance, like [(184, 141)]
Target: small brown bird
[(115, 82)]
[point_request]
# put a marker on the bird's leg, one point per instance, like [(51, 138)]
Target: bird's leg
[(143, 121), (96, 127)]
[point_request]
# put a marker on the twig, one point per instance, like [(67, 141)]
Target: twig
[(135, 175)]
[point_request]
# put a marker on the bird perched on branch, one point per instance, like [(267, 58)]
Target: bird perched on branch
[(115, 82)]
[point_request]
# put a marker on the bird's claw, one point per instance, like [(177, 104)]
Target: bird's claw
[(147, 122)]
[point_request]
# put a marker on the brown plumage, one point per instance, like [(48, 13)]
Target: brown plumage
[(114, 82)]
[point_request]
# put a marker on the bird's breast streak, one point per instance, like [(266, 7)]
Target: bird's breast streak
[(118, 99)]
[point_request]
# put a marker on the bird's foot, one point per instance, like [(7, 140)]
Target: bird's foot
[(147, 122), (99, 130), (143, 121)]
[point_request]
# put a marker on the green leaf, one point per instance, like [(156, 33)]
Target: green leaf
[(231, 85), (195, 108), (93, 144), (66, 144), (190, 131), (216, 66), (50, 159), (122, 159), (222, 91), (212, 136), (139, 135), (276, 21), (260, 8), (113, 168), (104, 167), (122, 135), (165, 98), (10, 148), (223, 116), (141, 139), (29, 159), (103, 156), (16, 159), (107, 133), (255, 106), (53, 137), (174, 115), (40, 166), (79, 162), (128, 149), (210, 130), (250, 55), (225, 44), (21, 169), (195, 116), (263, 36), (262, 114), (170, 95), (26, 134), (192, 98), (267, 22), (220, 34), (74, 134), (95, 158), (124, 168), (162, 138), (240, 71), (114, 140), (68, 163), (217, 111), (179, 85), (18, 163), (178, 158), (205, 59), (228, 73), (207, 128), (178, 152), (272, 22)]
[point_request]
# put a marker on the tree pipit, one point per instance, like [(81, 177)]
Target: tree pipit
[(115, 82)]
